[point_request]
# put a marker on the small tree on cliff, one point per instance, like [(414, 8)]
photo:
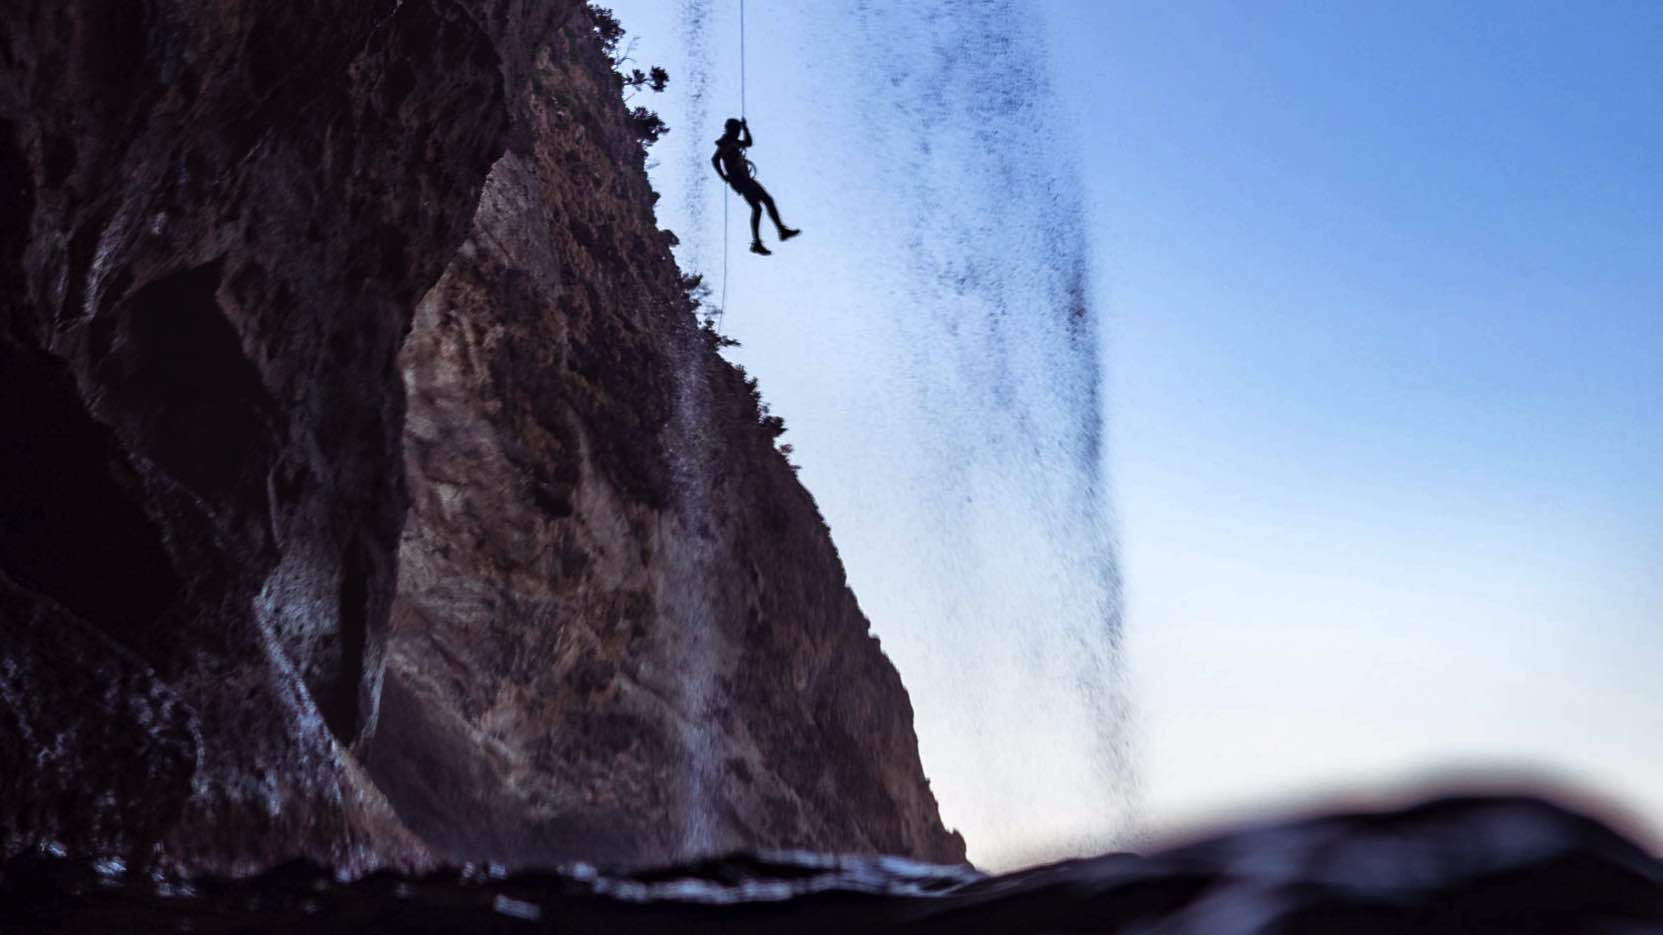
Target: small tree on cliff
[(648, 126), (608, 29)]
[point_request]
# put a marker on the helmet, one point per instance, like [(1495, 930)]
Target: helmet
[(732, 125)]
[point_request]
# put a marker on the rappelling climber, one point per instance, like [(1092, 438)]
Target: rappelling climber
[(735, 169)]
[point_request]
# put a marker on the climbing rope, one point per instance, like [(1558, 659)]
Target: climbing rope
[(741, 59), (727, 191)]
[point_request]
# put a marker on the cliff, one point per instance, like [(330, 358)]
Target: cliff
[(369, 490)]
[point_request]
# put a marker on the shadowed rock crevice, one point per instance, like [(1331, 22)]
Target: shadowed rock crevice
[(187, 395), (340, 702), (66, 514), (17, 197)]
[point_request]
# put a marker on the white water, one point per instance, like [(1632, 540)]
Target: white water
[(932, 344)]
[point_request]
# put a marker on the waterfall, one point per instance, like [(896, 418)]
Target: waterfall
[(688, 592), (933, 345), (698, 253)]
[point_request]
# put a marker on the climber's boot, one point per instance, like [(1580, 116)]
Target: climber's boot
[(758, 248)]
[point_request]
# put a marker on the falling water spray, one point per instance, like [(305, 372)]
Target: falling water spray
[(933, 343)]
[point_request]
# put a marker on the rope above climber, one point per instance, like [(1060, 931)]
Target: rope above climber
[(736, 170)]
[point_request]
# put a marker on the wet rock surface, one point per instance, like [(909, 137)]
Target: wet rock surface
[(217, 221), (1461, 865)]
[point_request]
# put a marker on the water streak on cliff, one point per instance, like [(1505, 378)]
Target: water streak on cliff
[(689, 586)]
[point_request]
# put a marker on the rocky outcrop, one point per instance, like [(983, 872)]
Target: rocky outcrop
[(622, 632), (614, 624), (219, 218)]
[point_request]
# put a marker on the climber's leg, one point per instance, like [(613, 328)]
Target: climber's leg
[(786, 233), (756, 221)]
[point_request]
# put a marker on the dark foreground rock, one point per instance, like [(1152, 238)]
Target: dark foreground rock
[(1467, 865)]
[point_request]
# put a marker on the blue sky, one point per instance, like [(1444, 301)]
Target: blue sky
[(1385, 292), (1380, 294)]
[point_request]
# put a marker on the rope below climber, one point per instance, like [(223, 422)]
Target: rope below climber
[(736, 170)]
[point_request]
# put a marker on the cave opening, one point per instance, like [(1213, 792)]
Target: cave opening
[(201, 408)]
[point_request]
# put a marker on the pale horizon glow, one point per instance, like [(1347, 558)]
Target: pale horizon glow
[(1382, 294)]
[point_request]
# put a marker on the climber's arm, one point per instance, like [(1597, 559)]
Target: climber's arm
[(745, 129), (716, 162)]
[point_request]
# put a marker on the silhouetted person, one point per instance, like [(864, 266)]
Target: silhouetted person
[(735, 169)]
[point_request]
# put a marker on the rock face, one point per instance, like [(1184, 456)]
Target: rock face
[(218, 218), (614, 625), (621, 631)]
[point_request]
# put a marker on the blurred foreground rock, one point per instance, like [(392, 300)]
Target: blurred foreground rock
[(1452, 867)]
